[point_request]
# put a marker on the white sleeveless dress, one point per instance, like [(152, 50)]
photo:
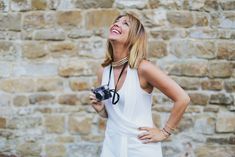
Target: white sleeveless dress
[(131, 112)]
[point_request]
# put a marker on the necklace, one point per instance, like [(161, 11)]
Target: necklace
[(120, 62)]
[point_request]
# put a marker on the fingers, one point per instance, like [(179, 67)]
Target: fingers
[(150, 135)]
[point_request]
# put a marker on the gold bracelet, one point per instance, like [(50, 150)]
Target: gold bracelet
[(171, 128)]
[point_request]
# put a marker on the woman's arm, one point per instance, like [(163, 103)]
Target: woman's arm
[(158, 79), (97, 105)]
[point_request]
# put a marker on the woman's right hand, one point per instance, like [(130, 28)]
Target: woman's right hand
[(97, 105)]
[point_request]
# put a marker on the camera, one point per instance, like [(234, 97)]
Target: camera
[(102, 93)]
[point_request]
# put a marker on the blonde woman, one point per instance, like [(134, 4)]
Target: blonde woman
[(125, 97)]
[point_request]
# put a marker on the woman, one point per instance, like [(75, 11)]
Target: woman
[(130, 131)]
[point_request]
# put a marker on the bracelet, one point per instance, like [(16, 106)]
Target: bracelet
[(164, 133), (171, 128)]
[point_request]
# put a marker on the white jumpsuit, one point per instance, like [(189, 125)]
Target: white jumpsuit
[(131, 112)]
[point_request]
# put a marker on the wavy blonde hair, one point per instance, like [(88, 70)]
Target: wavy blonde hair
[(136, 43)]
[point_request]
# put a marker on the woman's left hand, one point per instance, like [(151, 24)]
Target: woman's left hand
[(151, 135)]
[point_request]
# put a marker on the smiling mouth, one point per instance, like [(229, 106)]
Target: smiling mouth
[(113, 30)]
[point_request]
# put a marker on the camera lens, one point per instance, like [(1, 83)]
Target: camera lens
[(99, 95)]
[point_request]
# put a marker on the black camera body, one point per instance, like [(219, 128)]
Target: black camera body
[(102, 93)]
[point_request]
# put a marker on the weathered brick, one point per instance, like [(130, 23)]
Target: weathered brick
[(221, 98), (191, 48), (55, 150), (61, 49), (157, 49), (17, 85), (188, 67), (29, 149), (34, 50), (24, 122), (92, 48), (49, 84), (82, 83), (226, 50), (229, 85), (201, 19), (167, 34), (5, 99), (41, 99), (180, 18), (69, 99), (10, 21), (227, 5), (228, 20), (221, 140), (69, 18), (20, 5), (93, 4), (8, 50), (65, 139), (217, 150), (100, 18), (219, 69), (205, 124), (38, 20), (199, 98), (225, 122), (54, 123), (49, 34), (212, 84), (39, 4), (203, 33), (80, 123), (21, 100), (78, 68), (140, 4), (187, 82), (2, 122)]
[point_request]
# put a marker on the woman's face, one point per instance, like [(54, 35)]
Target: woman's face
[(119, 30)]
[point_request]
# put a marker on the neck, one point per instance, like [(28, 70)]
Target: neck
[(119, 52)]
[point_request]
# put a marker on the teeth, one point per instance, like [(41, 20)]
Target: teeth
[(115, 31)]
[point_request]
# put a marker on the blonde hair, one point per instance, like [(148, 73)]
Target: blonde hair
[(137, 43)]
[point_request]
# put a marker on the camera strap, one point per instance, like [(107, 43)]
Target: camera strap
[(115, 93)]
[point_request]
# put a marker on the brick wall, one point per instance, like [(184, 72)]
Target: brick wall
[(50, 51)]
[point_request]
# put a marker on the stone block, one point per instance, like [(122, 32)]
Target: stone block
[(204, 33), (229, 85), (80, 123), (201, 19), (157, 49), (48, 84), (93, 4), (34, 50), (20, 101), (139, 4), (62, 49), (96, 19), (197, 68), (227, 20), (182, 19), (69, 18), (82, 83), (10, 21), (5, 99), (212, 84), (217, 150), (29, 149), (17, 85), (219, 69), (55, 150), (49, 34), (69, 99), (225, 122), (54, 123), (5, 69), (221, 140), (8, 50), (187, 82), (65, 139), (221, 99), (227, 4), (78, 68), (226, 50), (2, 122), (26, 122), (20, 5), (199, 98), (167, 34), (192, 48), (205, 124), (39, 4), (38, 20), (41, 99)]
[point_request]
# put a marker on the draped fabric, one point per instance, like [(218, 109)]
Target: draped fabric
[(124, 119)]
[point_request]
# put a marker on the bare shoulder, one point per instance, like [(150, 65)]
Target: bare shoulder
[(147, 67)]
